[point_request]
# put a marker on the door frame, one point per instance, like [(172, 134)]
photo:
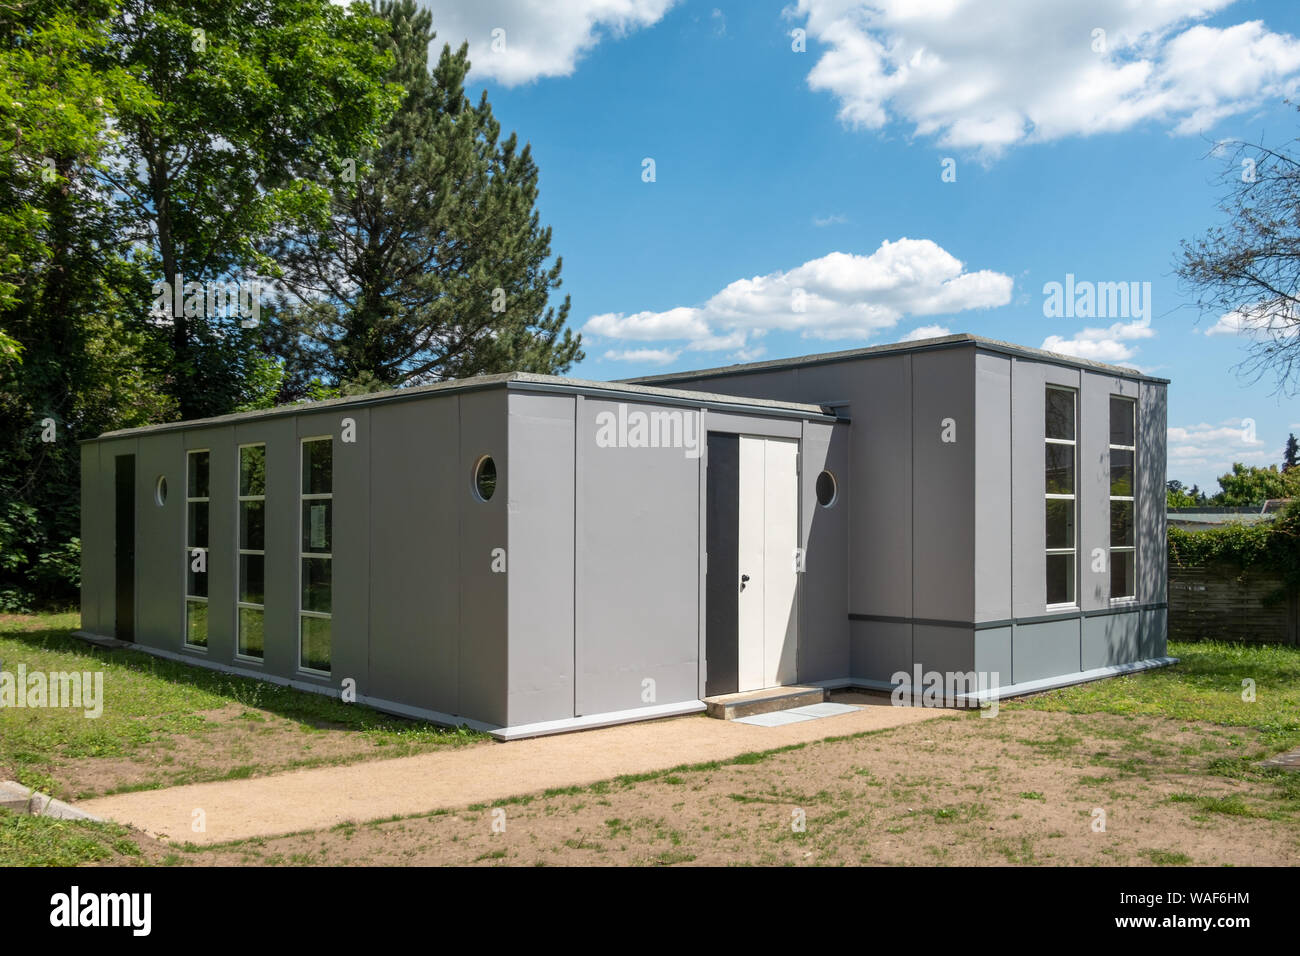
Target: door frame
[(732, 426)]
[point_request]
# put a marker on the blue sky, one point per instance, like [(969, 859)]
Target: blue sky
[(798, 204)]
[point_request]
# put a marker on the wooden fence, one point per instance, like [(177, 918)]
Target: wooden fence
[(1224, 604)]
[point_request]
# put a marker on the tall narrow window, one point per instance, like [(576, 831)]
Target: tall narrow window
[(252, 549), (1123, 462), (317, 517), (196, 549), (1060, 434)]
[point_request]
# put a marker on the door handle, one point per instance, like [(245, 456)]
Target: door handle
[(743, 579)]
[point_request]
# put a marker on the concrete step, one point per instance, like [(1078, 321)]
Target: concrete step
[(731, 706)]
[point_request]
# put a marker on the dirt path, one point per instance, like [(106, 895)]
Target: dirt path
[(320, 798)]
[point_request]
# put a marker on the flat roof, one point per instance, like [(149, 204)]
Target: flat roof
[(519, 381), (921, 345)]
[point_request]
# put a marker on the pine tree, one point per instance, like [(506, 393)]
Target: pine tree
[(1289, 456), (433, 264)]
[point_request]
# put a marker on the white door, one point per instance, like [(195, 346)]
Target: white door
[(768, 538)]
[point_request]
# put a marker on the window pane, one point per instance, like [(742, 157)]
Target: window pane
[(1060, 579), (252, 579), (1060, 524), (198, 478), (1123, 582), (1060, 469), (252, 470), (316, 643), (317, 522), (1121, 473), (196, 623), (197, 525), (1121, 421), (252, 525), (316, 579), (318, 467), (196, 582), (250, 632), (1060, 414), (1121, 523)]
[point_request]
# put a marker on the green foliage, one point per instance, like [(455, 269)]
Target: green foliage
[(433, 264), (1252, 486), (250, 94), (1267, 546), (1179, 496)]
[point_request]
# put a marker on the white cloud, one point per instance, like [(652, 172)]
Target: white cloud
[(838, 296), (1276, 319), (648, 356), (925, 332), (539, 39), (834, 219), (1211, 449), (1102, 345), (989, 74)]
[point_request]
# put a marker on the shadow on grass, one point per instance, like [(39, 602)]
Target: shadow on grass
[(319, 711)]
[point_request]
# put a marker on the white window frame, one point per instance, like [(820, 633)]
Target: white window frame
[(1072, 498), (189, 552), (240, 551), (302, 496), (1132, 499)]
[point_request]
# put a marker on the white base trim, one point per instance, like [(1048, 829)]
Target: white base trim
[(590, 721)]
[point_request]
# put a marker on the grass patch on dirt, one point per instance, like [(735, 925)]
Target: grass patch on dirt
[(985, 795), (44, 841), (166, 723), (1207, 684)]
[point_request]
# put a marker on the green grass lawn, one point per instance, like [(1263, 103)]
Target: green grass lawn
[(151, 703), (1206, 684)]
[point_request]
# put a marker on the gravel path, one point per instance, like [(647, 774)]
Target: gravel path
[(320, 798)]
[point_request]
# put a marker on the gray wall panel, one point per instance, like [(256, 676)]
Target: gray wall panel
[(943, 649), (639, 571), (993, 654), (484, 526), (96, 571), (943, 497), (1049, 649), (1110, 639), (1153, 555), (416, 492), (992, 532), (160, 556), (541, 558), (824, 625), (879, 649), (1155, 633)]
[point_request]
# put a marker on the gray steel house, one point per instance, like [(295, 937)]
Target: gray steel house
[(528, 554)]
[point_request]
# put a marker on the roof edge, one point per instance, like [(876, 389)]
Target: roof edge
[(957, 340), (507, 380)]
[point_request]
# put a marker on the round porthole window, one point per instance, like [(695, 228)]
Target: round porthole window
[(485, 478), (827, 490), (160, 492)]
